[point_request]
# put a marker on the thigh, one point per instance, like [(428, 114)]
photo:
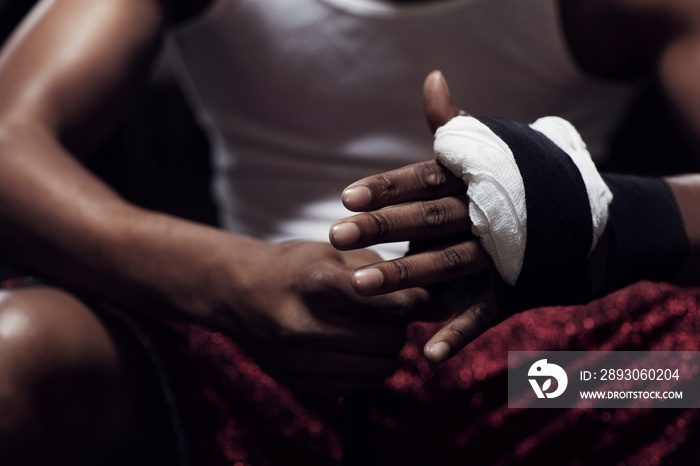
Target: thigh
[(75, 384)]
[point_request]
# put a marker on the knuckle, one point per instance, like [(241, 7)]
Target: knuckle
[(485, 316), (319, 275), (294, 330), (456, 333), (16, 325), (482, 318), (454, 259), (433, 215), (381, 224), (431, 175), (401, 272), (387, 186), (315, 278)]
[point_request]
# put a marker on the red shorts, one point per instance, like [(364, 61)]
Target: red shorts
[(454, 414)]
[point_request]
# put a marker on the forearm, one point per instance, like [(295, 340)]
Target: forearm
[(686, 189), (678, 70), (58, 220)]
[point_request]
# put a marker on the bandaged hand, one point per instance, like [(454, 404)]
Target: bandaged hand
[(427, 204), (540, 209), (536, 202), (535, 211)]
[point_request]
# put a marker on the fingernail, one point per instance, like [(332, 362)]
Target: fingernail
[(439, 351), (345, 233), (443, 83), (357, 197), (368, 280)]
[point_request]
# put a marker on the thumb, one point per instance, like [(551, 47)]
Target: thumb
[(464, 328), (437, 101)]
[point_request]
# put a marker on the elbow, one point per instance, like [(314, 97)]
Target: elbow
[(19, 131)]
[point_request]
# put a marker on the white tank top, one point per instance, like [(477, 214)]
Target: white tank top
[(302, 97)]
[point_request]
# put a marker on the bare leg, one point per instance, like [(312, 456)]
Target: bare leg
[(75, 388)]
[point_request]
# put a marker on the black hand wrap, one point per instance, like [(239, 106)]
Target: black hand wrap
[(647, 236), (567, 206), (559, 226)]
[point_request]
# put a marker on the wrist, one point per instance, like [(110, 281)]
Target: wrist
[(686, 189), (598, 263), (167, 267), (228, 280), (647, 235)]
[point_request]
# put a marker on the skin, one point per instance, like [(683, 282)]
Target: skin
[(156, 265), (68, 389), (65, 76), (432, 202)]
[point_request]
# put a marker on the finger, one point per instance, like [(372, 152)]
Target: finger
[(332, 365), (427, 268), (416, 221), (334, 293), (463, 329), (437, 101), (417, 182), (399, 307)]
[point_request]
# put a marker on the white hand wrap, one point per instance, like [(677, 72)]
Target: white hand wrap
[(505, 183)]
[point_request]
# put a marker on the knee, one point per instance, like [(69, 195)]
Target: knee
[(57, 364), (47, 334)]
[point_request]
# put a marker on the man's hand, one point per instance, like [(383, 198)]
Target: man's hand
[(298, 316), (423, 203), (419, 203)]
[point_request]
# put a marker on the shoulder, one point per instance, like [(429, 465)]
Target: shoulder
[(655, 23), (625, 38), (682, 12)]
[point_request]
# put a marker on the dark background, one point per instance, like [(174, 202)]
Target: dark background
[(158, 158)]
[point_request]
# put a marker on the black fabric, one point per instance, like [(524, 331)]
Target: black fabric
[(647, 236), (559, 225)]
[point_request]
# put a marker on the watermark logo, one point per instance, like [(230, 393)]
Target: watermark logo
[(542, 368)]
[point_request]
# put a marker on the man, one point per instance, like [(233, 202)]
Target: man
[(65, 75)]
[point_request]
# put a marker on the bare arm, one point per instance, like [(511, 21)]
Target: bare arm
[(64, 76), (679, 69)]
